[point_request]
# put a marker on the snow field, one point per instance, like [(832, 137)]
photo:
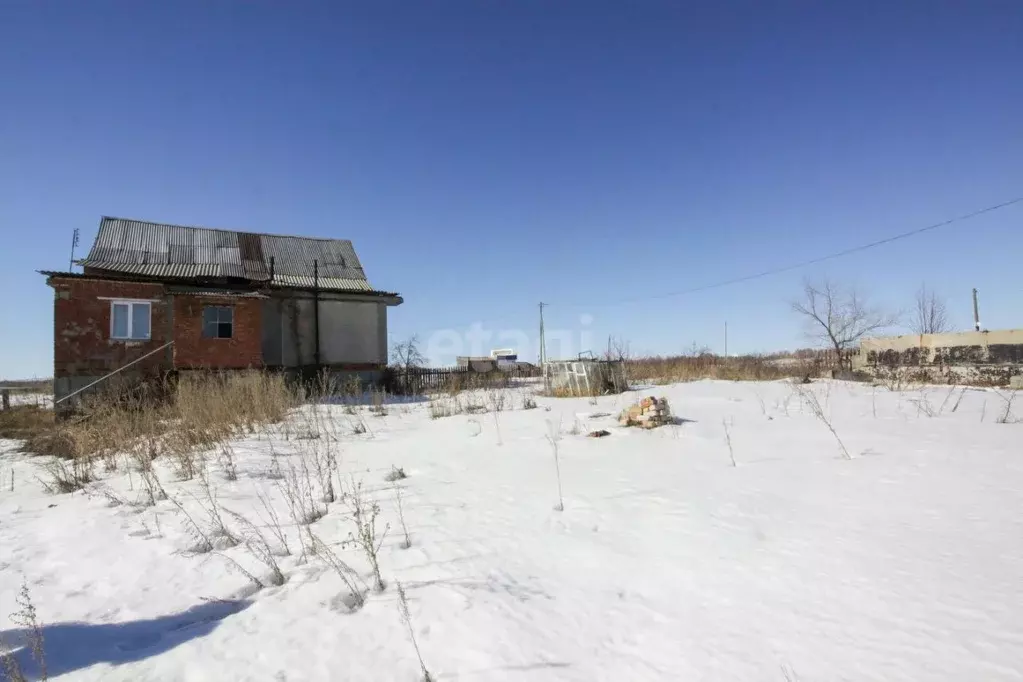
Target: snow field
[(667, 563)]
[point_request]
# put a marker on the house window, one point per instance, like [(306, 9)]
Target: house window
[(218, 322), (129, 320)]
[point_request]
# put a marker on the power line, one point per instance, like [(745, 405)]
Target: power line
[(812, 261)]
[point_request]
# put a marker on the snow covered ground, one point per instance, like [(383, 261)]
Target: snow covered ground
[(667, 563)]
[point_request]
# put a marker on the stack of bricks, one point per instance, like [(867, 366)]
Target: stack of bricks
[(649, 413)]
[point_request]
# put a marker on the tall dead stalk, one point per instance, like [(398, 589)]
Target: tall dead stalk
[(810, 398)]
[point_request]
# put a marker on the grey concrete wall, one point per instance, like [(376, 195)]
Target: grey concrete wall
[(351, 332), (65, 386), (288, 332)]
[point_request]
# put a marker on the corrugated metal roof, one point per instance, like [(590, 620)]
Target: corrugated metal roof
[(172, 270), (335, 283), (175, 251), (216, 293)]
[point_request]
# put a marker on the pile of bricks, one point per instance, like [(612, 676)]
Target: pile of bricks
[(648, 413)]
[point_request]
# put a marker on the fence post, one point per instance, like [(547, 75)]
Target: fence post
[(5, 399)]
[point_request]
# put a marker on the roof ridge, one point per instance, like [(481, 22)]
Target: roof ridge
[(221, 229)]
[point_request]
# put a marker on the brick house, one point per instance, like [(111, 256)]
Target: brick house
[(154, 299)]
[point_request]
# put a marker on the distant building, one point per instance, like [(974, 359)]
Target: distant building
[(506, 358), (476, 363)]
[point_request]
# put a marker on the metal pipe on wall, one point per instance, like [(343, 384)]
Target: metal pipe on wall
[(316, 312)]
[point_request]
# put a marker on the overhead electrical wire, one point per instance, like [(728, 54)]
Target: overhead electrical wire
[(805, 263)]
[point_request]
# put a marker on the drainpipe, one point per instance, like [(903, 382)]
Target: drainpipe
[(280, 312), (316, 312)]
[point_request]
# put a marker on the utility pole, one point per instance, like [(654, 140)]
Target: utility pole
[(726, 338), (543, 342), (543, 353), (976, 312)]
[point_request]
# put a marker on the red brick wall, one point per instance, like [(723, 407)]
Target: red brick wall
[(81, 327), (82, 345), (193, 351)]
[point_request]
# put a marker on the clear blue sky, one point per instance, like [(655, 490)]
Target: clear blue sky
[(484, 156)]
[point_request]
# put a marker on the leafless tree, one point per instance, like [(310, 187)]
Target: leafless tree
[(839, 317), (930, 315), (406, 356), (697, 351), (618, 349)]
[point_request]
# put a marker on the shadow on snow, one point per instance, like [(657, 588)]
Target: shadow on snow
[(75, 646)]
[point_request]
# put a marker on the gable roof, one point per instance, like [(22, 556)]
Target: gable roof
[(160, 250)]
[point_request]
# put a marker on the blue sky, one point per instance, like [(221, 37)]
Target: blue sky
[(484, 156)]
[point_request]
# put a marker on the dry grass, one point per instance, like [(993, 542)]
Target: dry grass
[(24, 423), (200, 414), (663, 370), (219, 405), (569, 392), (471, 381)]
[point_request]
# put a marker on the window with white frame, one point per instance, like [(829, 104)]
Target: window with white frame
[(218, 322), (129, 320)]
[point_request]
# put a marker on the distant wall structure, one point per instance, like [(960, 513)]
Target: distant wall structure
[(988, 357)]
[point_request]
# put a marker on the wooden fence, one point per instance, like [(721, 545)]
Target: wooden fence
[(419, 380)]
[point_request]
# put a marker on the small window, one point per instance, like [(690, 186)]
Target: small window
[(218, 322), (129, 320)]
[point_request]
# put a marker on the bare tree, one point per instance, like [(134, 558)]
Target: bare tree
[(930, 315), (839, 317), (618, 349), (407, 357)]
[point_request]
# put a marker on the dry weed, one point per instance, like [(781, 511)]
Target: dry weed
[(553, 438), (357, 588), (364, 516), (401, 516), (406, 618), (28, 618)]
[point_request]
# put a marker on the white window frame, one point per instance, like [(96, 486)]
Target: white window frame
[(131, 303)]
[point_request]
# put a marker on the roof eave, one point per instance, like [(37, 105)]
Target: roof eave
[(389, 298), (395, 299)]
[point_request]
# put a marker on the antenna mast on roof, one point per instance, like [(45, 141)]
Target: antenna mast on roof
[(74, 243)]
